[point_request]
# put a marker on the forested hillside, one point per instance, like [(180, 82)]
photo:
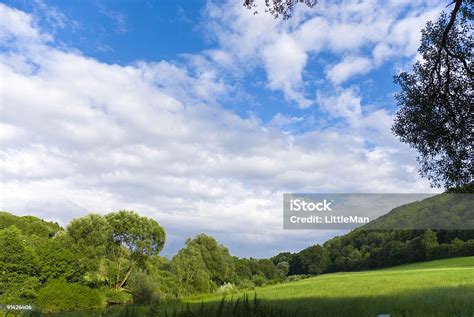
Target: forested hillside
[(377, 245)]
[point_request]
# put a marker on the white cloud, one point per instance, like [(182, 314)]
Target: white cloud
[(349, 28), (284, 61), (348, 67), (15, 25), (83, 135), (346, 103)]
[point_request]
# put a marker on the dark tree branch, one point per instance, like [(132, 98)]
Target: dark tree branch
[(279, 8), (444, 39)]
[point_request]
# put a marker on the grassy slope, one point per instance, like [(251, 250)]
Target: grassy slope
[(436, 288)]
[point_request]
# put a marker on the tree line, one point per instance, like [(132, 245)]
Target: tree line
[(114, 259), (102, 260)]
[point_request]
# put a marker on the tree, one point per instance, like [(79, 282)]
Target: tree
[(92, 237), (216, 257), (191, 272), (119, 241), (268, 269), (283, 268), (243, 271), (314, 260), (429, 243), (134, 238), (436, 100)]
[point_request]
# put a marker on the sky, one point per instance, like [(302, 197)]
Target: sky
[(201, 114)]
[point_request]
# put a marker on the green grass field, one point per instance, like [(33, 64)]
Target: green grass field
[(436, 288)]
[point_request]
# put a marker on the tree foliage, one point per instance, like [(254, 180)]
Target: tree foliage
[(279, 8), (436, 100)]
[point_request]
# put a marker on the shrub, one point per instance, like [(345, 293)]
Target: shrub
[(259, 280), (58, 295), (294, 278), (23, 289), (143, 289), (467, 248), (247, 284), (113, 296), (226, 289)]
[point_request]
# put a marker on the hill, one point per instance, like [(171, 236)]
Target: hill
[(434, 228), (29, 225), (446, 211)]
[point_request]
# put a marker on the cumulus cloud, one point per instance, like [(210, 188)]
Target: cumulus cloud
[(352, 29), (82, 135), (349, 67), (345, 103)]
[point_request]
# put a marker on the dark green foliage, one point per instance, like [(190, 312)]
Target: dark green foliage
[(436, 100), (268, 269), (314, 260), (282, 257), (58, 295), (243, 271)]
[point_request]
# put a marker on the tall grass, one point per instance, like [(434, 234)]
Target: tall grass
[(241, 307)]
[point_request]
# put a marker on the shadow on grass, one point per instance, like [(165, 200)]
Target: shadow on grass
[(433, 302)]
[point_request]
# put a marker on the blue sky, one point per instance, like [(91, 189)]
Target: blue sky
[(201, 114)]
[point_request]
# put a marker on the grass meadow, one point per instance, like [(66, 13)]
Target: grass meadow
[(436, 288)]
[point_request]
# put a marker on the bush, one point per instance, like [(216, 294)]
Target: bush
[(113, 296), (294, 278), (259, 280), (58, 295), (22, 289), (467, 248), (226, 289), (247, 284), (143, 289)]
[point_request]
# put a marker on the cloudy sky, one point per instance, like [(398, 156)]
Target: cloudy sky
[(201, 114)]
